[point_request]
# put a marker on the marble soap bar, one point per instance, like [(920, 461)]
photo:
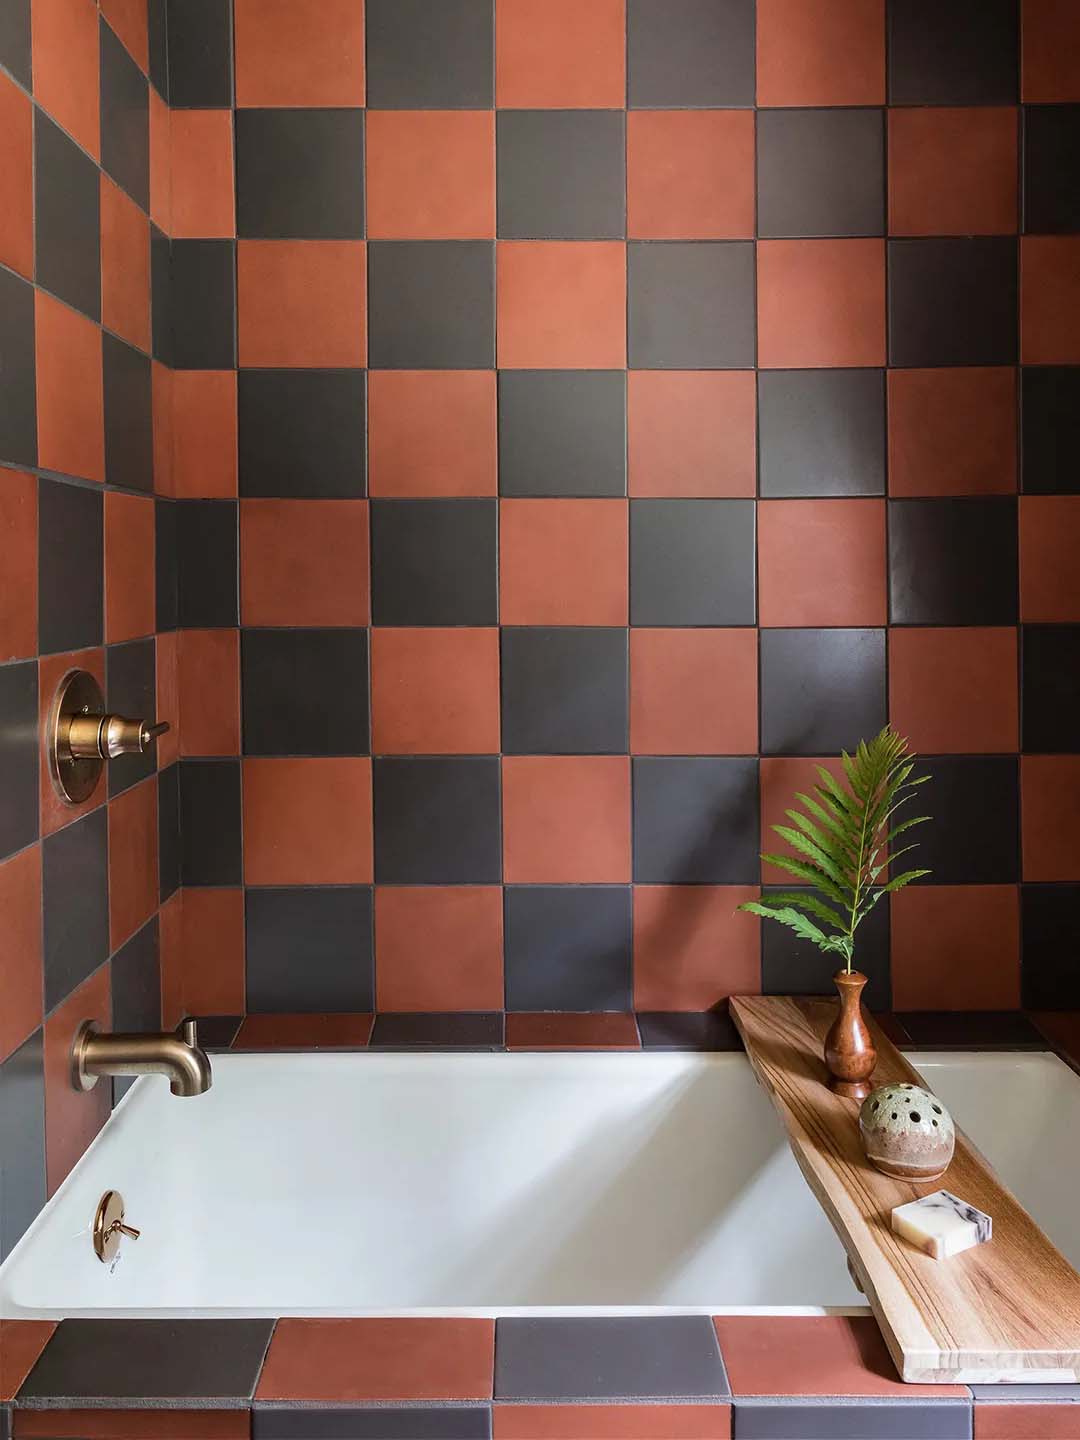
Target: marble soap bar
[(941, 1224)]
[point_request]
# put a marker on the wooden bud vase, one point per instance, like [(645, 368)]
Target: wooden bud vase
[(850, 1056)]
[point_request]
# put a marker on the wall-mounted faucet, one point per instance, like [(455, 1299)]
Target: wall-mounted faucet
[(175, 1054)]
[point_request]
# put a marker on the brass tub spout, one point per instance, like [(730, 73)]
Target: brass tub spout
[(175, 1054)]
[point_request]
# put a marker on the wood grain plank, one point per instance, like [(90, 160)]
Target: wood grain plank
[(1007, 1311)]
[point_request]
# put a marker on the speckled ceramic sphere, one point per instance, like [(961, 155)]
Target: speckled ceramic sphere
[(907, 1132)]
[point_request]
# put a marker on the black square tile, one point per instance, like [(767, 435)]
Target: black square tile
[(70, 566), (953, 561), (75, 903), (696, 820), (168, 831), (165, 564), (15, 39), (1051, 169), (135, 980), (210, 823), (67, 218), (820, 172), (975, 835), (692, 562), (689, 53), (202, 304), (604, 1358), (965, 52), (688, 1030), (415, 1422), (1050, 689), (953, 301), (125, 119), (18, 408), (562, 432), (430, 57), (971, 1030), (564, 691), (309, 949), (438, 820), (1050, 423), (822, 691), (18, 756), (437, 1030), (691, 305), (300, 174), (206, 562), (131, 689), (561, 174), (129, 424), (22, 1155), (821, 432), (159, 1361), (305, 692), (431, 304), (217, 1032), (433, 562), (161, 320), (157, 25), (302, 433), (568, 947), (792, 966), (199, 45), (1049, 976)]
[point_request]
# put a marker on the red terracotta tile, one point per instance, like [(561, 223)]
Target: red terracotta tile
[(66, 66), (690, 174), (203, 422), (815, 1355), (568, 1030), (432, 432), (411, 1359), (953, 691), (611, 1422), (998, 1421), (953, 172), (430, 174), (563, 562), (20, 905), (821, 52), (693, 947), (167, 645), (693, 692), (800, 540), (70, 406), (201, 167), (55, 812), (73, 1117), (560, 54), (161, 382), (307, 822), (208, 663), (781, 777), (21, 1342), (461, 924), (16, 179), (304, 562), (129, 20), (19, 547), (125, 266), (561, 305), (952, 432), (1049, 575), (692, 432), (303, 1032), (133, 860), (134, 1424), (1050, 299), (302, 303), (202, 954), (435, 692), (299, 52), (956, 947), (821, 303), (1049, 804), (566, 819), (161, 162), (129, 567), (1051, 37)]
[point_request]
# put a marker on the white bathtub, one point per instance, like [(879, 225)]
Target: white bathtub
[(492, 1184)]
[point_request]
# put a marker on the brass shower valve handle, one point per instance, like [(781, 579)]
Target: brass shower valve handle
[(80, 736), (104, 737)]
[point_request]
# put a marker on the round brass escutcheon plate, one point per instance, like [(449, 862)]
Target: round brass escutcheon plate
[(74, 778), (107, 1233)]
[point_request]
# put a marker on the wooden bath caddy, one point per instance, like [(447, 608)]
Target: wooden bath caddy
[(1006, 1311)]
